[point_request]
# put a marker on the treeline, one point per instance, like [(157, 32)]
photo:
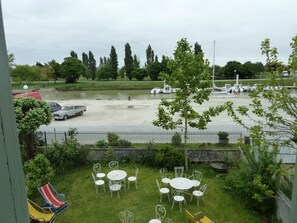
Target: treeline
[(107, 67)]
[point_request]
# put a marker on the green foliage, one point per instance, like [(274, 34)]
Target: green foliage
[(67, 154), (71, 69), (256, 178), (169, 157), (123, 143), (113, 63), (293, 56), (176, 139), (24, 73), (139, 73), (223, 135), (112, 137), (104, 72), (102, 144), (128, 61), (38, 171), (149, 154), (109, 154)]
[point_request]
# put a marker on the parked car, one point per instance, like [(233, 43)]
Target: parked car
[(68, 111), (54, 106)]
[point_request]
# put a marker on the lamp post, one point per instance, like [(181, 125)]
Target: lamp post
[(25, 87), (234, 74)]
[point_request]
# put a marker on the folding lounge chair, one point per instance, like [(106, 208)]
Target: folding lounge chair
[(53, 199), (39, 214), (198, 217)]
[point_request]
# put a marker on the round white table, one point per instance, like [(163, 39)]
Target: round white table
[(181, 183), (117, 175), (155, 221)]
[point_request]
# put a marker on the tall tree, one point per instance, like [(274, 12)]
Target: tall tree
[(85, 61), (149, 55), (272, 64), (91, 66), (197, 49), (113, 63), (73, 54), (190, 77), (11, 59), (72, 69), (128, 61), (136, 61)]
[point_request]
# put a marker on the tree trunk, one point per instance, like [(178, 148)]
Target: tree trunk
[(186, 138)]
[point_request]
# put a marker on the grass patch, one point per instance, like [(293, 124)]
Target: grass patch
[(85, 206)]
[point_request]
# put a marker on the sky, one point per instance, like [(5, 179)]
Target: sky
[(40, 31)]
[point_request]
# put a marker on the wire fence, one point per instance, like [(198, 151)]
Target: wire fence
[(91, 137)]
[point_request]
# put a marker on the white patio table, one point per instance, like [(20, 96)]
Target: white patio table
[(117, 175), (181, 183)]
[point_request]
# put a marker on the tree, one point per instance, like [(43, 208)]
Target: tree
[(85, 61), (24, 73), (104, 72), (30, 115), (275, 119), (11, 59), (136, 61), (91, 66), (190, 77), (128, 61), (113, 63), (231, 69), (73, 54), (149, 56), (197, 49), (154, 70), (57, 69), (139, 73), (272, 64), (71, 69), (293, 56)]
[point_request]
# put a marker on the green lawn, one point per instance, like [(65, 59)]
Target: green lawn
[(87, 206)]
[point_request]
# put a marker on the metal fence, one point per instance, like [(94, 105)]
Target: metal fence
[(88, 137)]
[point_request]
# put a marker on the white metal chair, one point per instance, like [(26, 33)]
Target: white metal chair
[(168, 220), (163, 190), (199, 193), (98, 183), (196, 178), (133, 178), (160, 212), (113, 165), (179, 171), (126, 216), (97, 170), (179, 198), (163, 174), (115, 186)]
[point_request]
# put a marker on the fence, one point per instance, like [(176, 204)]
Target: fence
[(88, 137)]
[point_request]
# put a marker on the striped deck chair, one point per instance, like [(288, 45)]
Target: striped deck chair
[(53, 199), (39, 214)]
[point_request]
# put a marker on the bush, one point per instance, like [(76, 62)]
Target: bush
[(123, 143), (102, 144), (112, 137), (67, 154), (109, 154), (169, 157), (223, 135), (149, 154), (176, 139), (38, 171)]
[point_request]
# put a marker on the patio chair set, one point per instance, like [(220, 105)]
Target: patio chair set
[(178, 187), (53, 204), (116, 178)]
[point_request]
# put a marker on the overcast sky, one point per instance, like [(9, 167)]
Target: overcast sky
[(42, 30)]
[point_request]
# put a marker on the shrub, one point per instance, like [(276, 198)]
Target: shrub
[(176, 139), (38, 171), (123, 143), (223, 135), (169, 157), (109, 154), (149, 154), (112, 137), (102, 144)]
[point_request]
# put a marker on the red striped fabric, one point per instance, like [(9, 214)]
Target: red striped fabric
[(51, 197)]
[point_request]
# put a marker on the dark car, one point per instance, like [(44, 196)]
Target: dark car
[(54, 106)]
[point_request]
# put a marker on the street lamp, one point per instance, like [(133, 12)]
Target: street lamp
[(25, 87), (234, 74)]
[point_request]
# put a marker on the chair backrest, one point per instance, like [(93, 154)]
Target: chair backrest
[(39, 214), (113, 165), (203, 188), (136, 172), (197, 175), (94, 178), (168, 220), (126, 216), (50, 195), (97, 167), (163, 172), (190, 216), (179, 170), (160, 212)]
